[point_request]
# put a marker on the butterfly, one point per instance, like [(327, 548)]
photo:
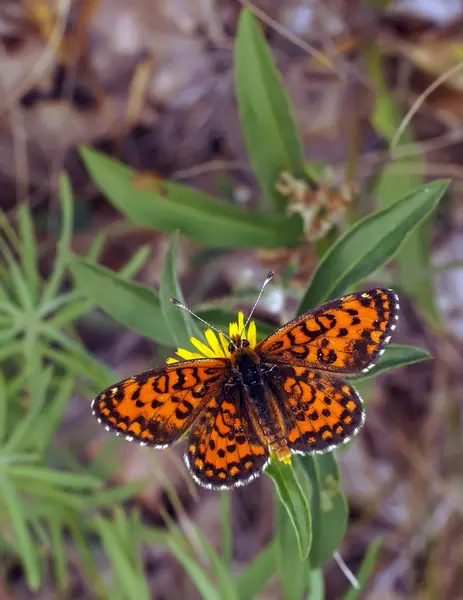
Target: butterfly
[(284, 395)]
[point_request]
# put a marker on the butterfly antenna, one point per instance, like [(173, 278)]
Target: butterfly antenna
[(269, 277), (180, 305)]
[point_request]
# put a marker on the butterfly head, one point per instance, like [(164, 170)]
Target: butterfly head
[(236, 343)]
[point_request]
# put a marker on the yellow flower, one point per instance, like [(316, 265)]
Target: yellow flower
[(217, 346)]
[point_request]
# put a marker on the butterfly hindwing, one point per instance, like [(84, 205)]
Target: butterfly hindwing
[(320, 410), (223, 449), (343, 336), (158, 406)]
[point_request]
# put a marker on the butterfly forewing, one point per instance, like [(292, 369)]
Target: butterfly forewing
[(343, 336), (158, 406), (223, 448)]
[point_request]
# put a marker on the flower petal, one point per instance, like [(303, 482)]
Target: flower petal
[(233, 329), (171, 360), (240, 322), (224, 343), (252, 334), (187, 354), (205, 350), (213, 342)]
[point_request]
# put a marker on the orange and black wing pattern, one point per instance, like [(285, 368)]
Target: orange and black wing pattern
[(158, 406), (345, 335), (320, 410), (223, 448)]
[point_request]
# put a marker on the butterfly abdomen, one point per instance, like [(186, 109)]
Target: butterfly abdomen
[(260, 405)]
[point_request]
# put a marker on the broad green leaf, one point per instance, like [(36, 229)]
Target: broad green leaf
[(178, 320), (269, 130), (395, 355), (194, 213), (329, 506), (316, 585), (134, 305), (294, 499), (15, 512), (395, 181), (369, 244), (256, 574), (365, 570)]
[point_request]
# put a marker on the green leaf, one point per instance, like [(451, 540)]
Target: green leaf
[(198, 575), (123, 561), (396, 355), (329, 506), (366, 568), (28, 250), (369, 244), (270, 134), (64, 243), (134, 305), (396, 180), (192, 212), (53, 477), (256, 574), (316, 585), (295, 501), (58, 552), (179, 321), (16, 517)]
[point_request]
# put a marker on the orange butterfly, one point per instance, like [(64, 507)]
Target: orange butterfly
[(252, 403)]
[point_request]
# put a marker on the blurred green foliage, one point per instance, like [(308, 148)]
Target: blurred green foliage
[(45, 495)]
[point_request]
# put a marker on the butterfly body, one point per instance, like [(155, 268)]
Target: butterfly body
[(287, 394)]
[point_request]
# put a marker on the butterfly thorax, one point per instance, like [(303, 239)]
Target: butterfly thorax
[(260, 404)]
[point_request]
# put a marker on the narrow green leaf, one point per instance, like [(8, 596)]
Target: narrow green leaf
[(396, 355), (218, 566), (3, 408), (53, 477), (329, 506), (51, 416), (28, 250), (365, 570), (295, 501), (59, 553), (256, 574), (198, 575), (179, 321), (21, 436), (18, 280), (269, 130), (369, 244), (134, 305), (64, 243), (194, 213), (122, 561), (16, 515)]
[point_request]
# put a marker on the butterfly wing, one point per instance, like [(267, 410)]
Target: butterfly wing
[(158, 406), (320, 410), (345, 335), (223, 448)]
